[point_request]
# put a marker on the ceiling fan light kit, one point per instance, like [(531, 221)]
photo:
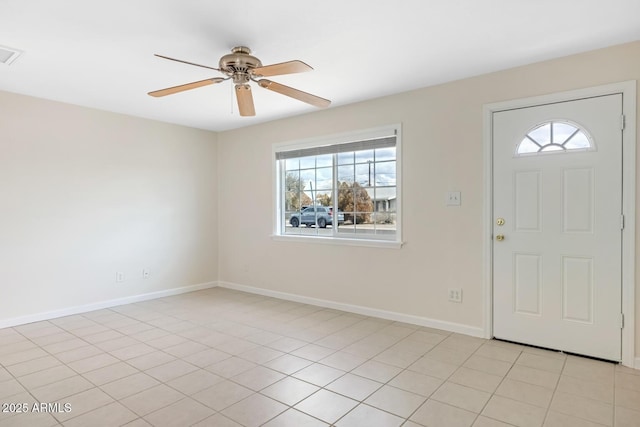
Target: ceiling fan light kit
[(242, 68)]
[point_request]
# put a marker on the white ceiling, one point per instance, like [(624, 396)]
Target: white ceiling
[(100, 54)]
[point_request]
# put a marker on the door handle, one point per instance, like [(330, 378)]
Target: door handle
[(500, 237)]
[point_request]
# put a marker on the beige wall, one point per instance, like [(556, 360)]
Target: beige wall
[(442, 131), (86, 193)]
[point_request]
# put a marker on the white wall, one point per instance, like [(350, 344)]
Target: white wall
[(86, 193), (442, 150)]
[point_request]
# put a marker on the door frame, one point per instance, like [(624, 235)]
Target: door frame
[(628, 91)]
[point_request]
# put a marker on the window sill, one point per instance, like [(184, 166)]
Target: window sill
[(338, 241)]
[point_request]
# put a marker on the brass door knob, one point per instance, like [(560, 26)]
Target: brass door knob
[(500, 221), (500, 237)]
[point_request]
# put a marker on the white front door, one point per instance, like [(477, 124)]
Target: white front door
[(557, 232)]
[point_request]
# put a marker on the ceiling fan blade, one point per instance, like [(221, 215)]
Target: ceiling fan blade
[(289, 67), (245, 100), (181, 88), (295, 93), (186, 62)]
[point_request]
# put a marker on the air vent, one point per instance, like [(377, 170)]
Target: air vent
[(8, 55)]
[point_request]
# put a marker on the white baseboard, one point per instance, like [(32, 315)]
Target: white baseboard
[(637, 363), (7, 323), (358, 309)]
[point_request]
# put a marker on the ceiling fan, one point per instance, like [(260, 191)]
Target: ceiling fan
[(241, 67)]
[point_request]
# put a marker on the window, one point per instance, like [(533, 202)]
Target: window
[(554, 136), (343, 188)]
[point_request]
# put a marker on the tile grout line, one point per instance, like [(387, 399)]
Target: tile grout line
[(555, 389), (504, 377), (441, 385)]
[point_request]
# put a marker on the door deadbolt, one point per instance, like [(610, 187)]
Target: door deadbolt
[(500, 221)]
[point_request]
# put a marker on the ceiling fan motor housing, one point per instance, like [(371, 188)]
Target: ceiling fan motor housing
[(239, 63)]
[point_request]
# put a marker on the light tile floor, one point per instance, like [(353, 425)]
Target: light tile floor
[(226, 358)]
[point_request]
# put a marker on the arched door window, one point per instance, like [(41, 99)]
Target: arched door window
[(555, 136)]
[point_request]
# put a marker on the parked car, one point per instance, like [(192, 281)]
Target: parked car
[(309, 215)]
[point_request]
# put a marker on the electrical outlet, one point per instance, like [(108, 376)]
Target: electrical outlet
[(120, 277), (453, 198), (145, 273), (455, 295)]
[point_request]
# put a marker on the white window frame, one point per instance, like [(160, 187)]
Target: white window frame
[(336, 139), (579, 128)]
